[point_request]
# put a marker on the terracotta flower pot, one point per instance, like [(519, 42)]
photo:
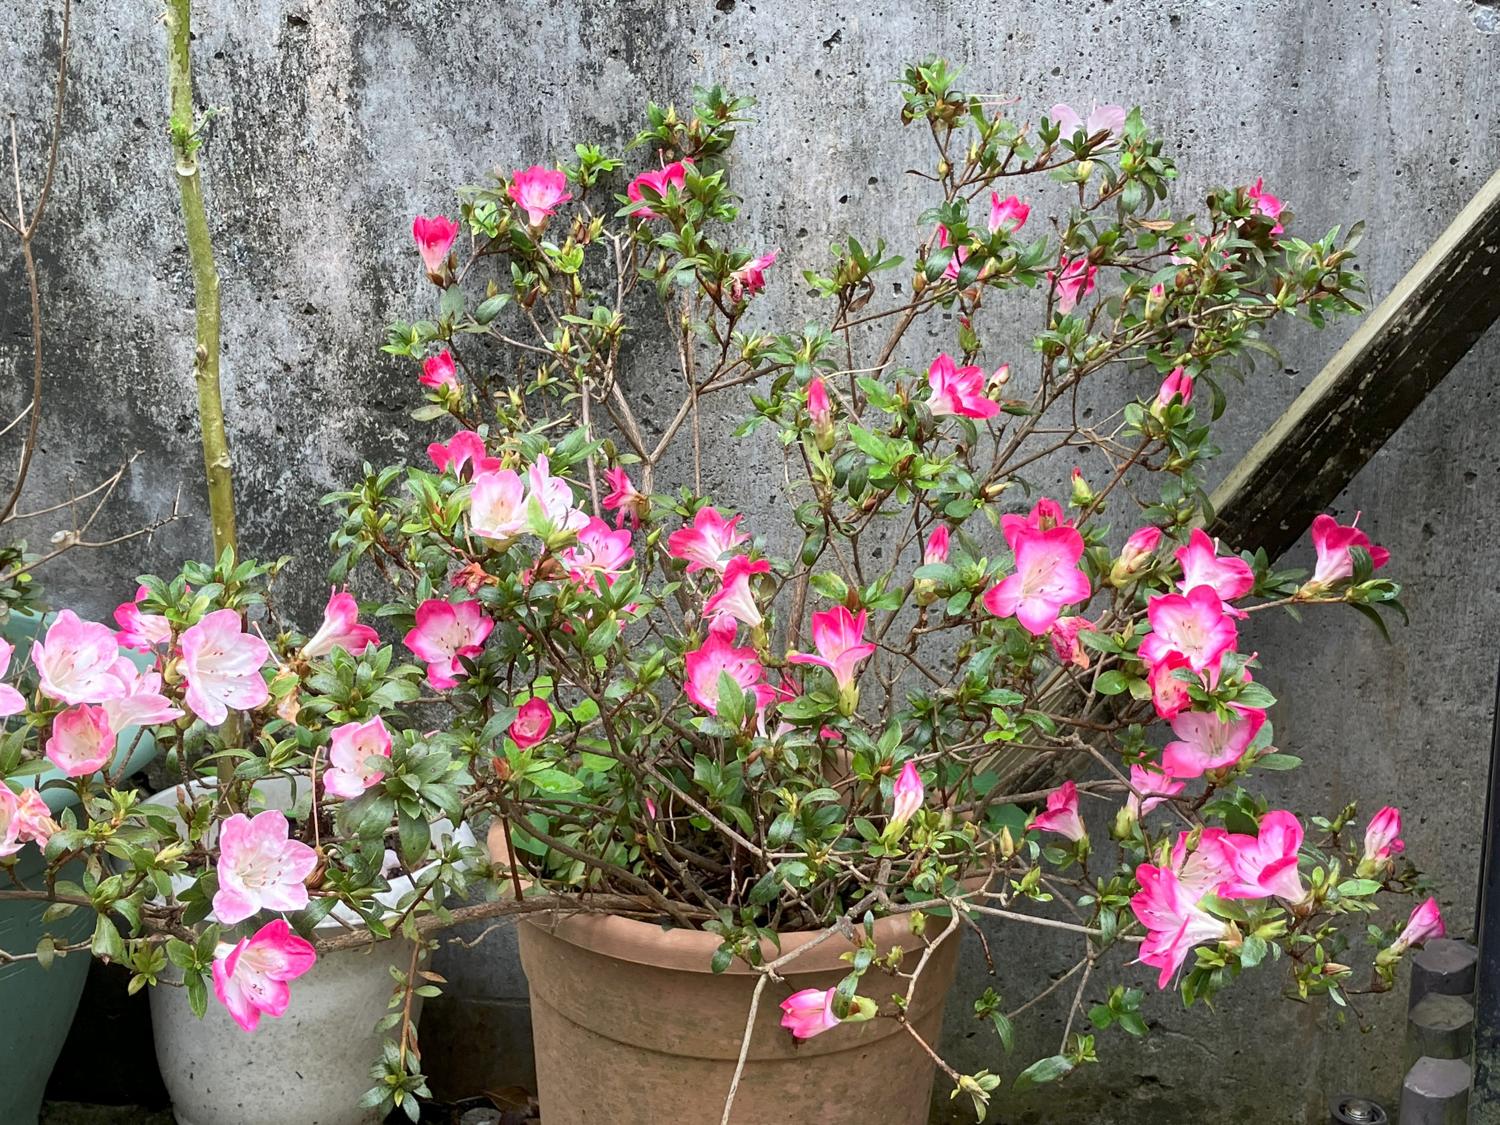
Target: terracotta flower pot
[(632, 1028)]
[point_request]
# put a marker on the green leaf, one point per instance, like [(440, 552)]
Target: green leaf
[(1043, 1071), (1112, 682)]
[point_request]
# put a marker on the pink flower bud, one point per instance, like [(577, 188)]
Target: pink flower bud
[(1382, 841), (907, 796), (820, 410), (1139, 548), (533, 721), (809, 1012), (937, 546), (434, 239), (1177, 386)]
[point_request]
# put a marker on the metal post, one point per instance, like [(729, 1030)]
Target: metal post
[(1436, 1092), (1350, 1109), (1487, 921)]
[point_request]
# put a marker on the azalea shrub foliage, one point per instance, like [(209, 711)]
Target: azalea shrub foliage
[(659, 712)]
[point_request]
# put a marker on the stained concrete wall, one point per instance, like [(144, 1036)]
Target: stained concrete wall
[(342, 118)]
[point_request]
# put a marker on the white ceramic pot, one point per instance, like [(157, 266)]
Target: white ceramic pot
[(312, 1065)]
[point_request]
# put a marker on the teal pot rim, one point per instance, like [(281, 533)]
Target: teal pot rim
[(133, 754)]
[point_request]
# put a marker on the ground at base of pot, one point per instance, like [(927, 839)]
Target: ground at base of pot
[(471, 1111)]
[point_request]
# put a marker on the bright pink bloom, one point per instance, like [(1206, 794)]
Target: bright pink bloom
[(1424, 925), (1168, 693), (1064, 638), (839, 637), (1150, 788), (707, 541), (1332, 541), (555, 498), (936, 550), (658, 181), (1074, 280), (703, 666), (809, 1012), (12, 702), (1169, 907), (1138, 551), (600, 550), (434, 239), (532, 722), (750, 278), (1382, 839), (222, 667), (251, 976), (735, 599), (350, 748), (1266, 864), (497, 505), (1230, 577), (958, 390), (1008, 213), (260, 867), (1062, 814), (907, 795), (79, 661), (1194, 625), (140, 631), (1045, 514), (143, 703), (340, 629), (462, 450), (82, 741), (1266, 204), (1176, 387), (1207, 742), (1046, 579), (628, 504), (1108, 119), (444, 634), (439, 371), (539, 192)]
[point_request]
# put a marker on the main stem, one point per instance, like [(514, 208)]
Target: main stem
[(217, 466)]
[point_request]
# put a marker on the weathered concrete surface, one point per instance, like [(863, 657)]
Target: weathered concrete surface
[(343, 118)]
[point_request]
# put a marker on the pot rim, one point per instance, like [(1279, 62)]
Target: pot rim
[(691, 951)]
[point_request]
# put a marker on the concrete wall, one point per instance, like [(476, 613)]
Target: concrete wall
[(343, 118)]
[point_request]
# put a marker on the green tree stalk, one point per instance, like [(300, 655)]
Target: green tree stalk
[(217, 466)]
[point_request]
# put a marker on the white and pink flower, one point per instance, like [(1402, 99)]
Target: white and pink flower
[(1332, 540), (357, 756), (434, 239), (1046, 578), (1265, 864), (251, 977), (1072, 281), (1010, 213), (718, 656), (260, 867), (221, 665), (658, 181), (750, 279), (1107, 119), (141, 631), (1207, 742), (839, 637), (1061, 815), (958, 390), (600, 552), (1193, 625), (79, 661), (340, 629), (704, 545), (1170, 909), (625, 500), (445, 634), (439, 371)]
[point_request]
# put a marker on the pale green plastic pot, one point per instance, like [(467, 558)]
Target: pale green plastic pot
[(40, 1002)]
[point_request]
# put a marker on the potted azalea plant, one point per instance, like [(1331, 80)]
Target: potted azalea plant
[(779, 786)]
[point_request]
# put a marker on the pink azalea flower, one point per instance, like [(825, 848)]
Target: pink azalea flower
[(839, 637), (1062, 814), (434, 239), (673, 175), (1266, 864), (907, 796), (1168, 693), (1194, 625), (463, 449), (1266, 204), (1175, 922), (1150, 787), (1065, 644), (78, 661), (936, 550), (497, 505), (143, 703), (820, 410), (707, 541), (735, 599), (12, 702), (350, 748), (750, 278), (260, 867), (1332, 541), (628, 504), (1382, 841), (1206, 742), (1424, 925), (1108, 119), (809, 1012), (222, 667), (1046, 579), (340, 629), (1045, 514), (1008, 213), (539, 192), (600, 550), (444, 634), (439, 371), (532, 722), (554, 496), (33, 819), (703, 666), (1074, 280), (137, 630), (958, 390), (1230, 577), (251, 976), (10, 835), (1176, 387)]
